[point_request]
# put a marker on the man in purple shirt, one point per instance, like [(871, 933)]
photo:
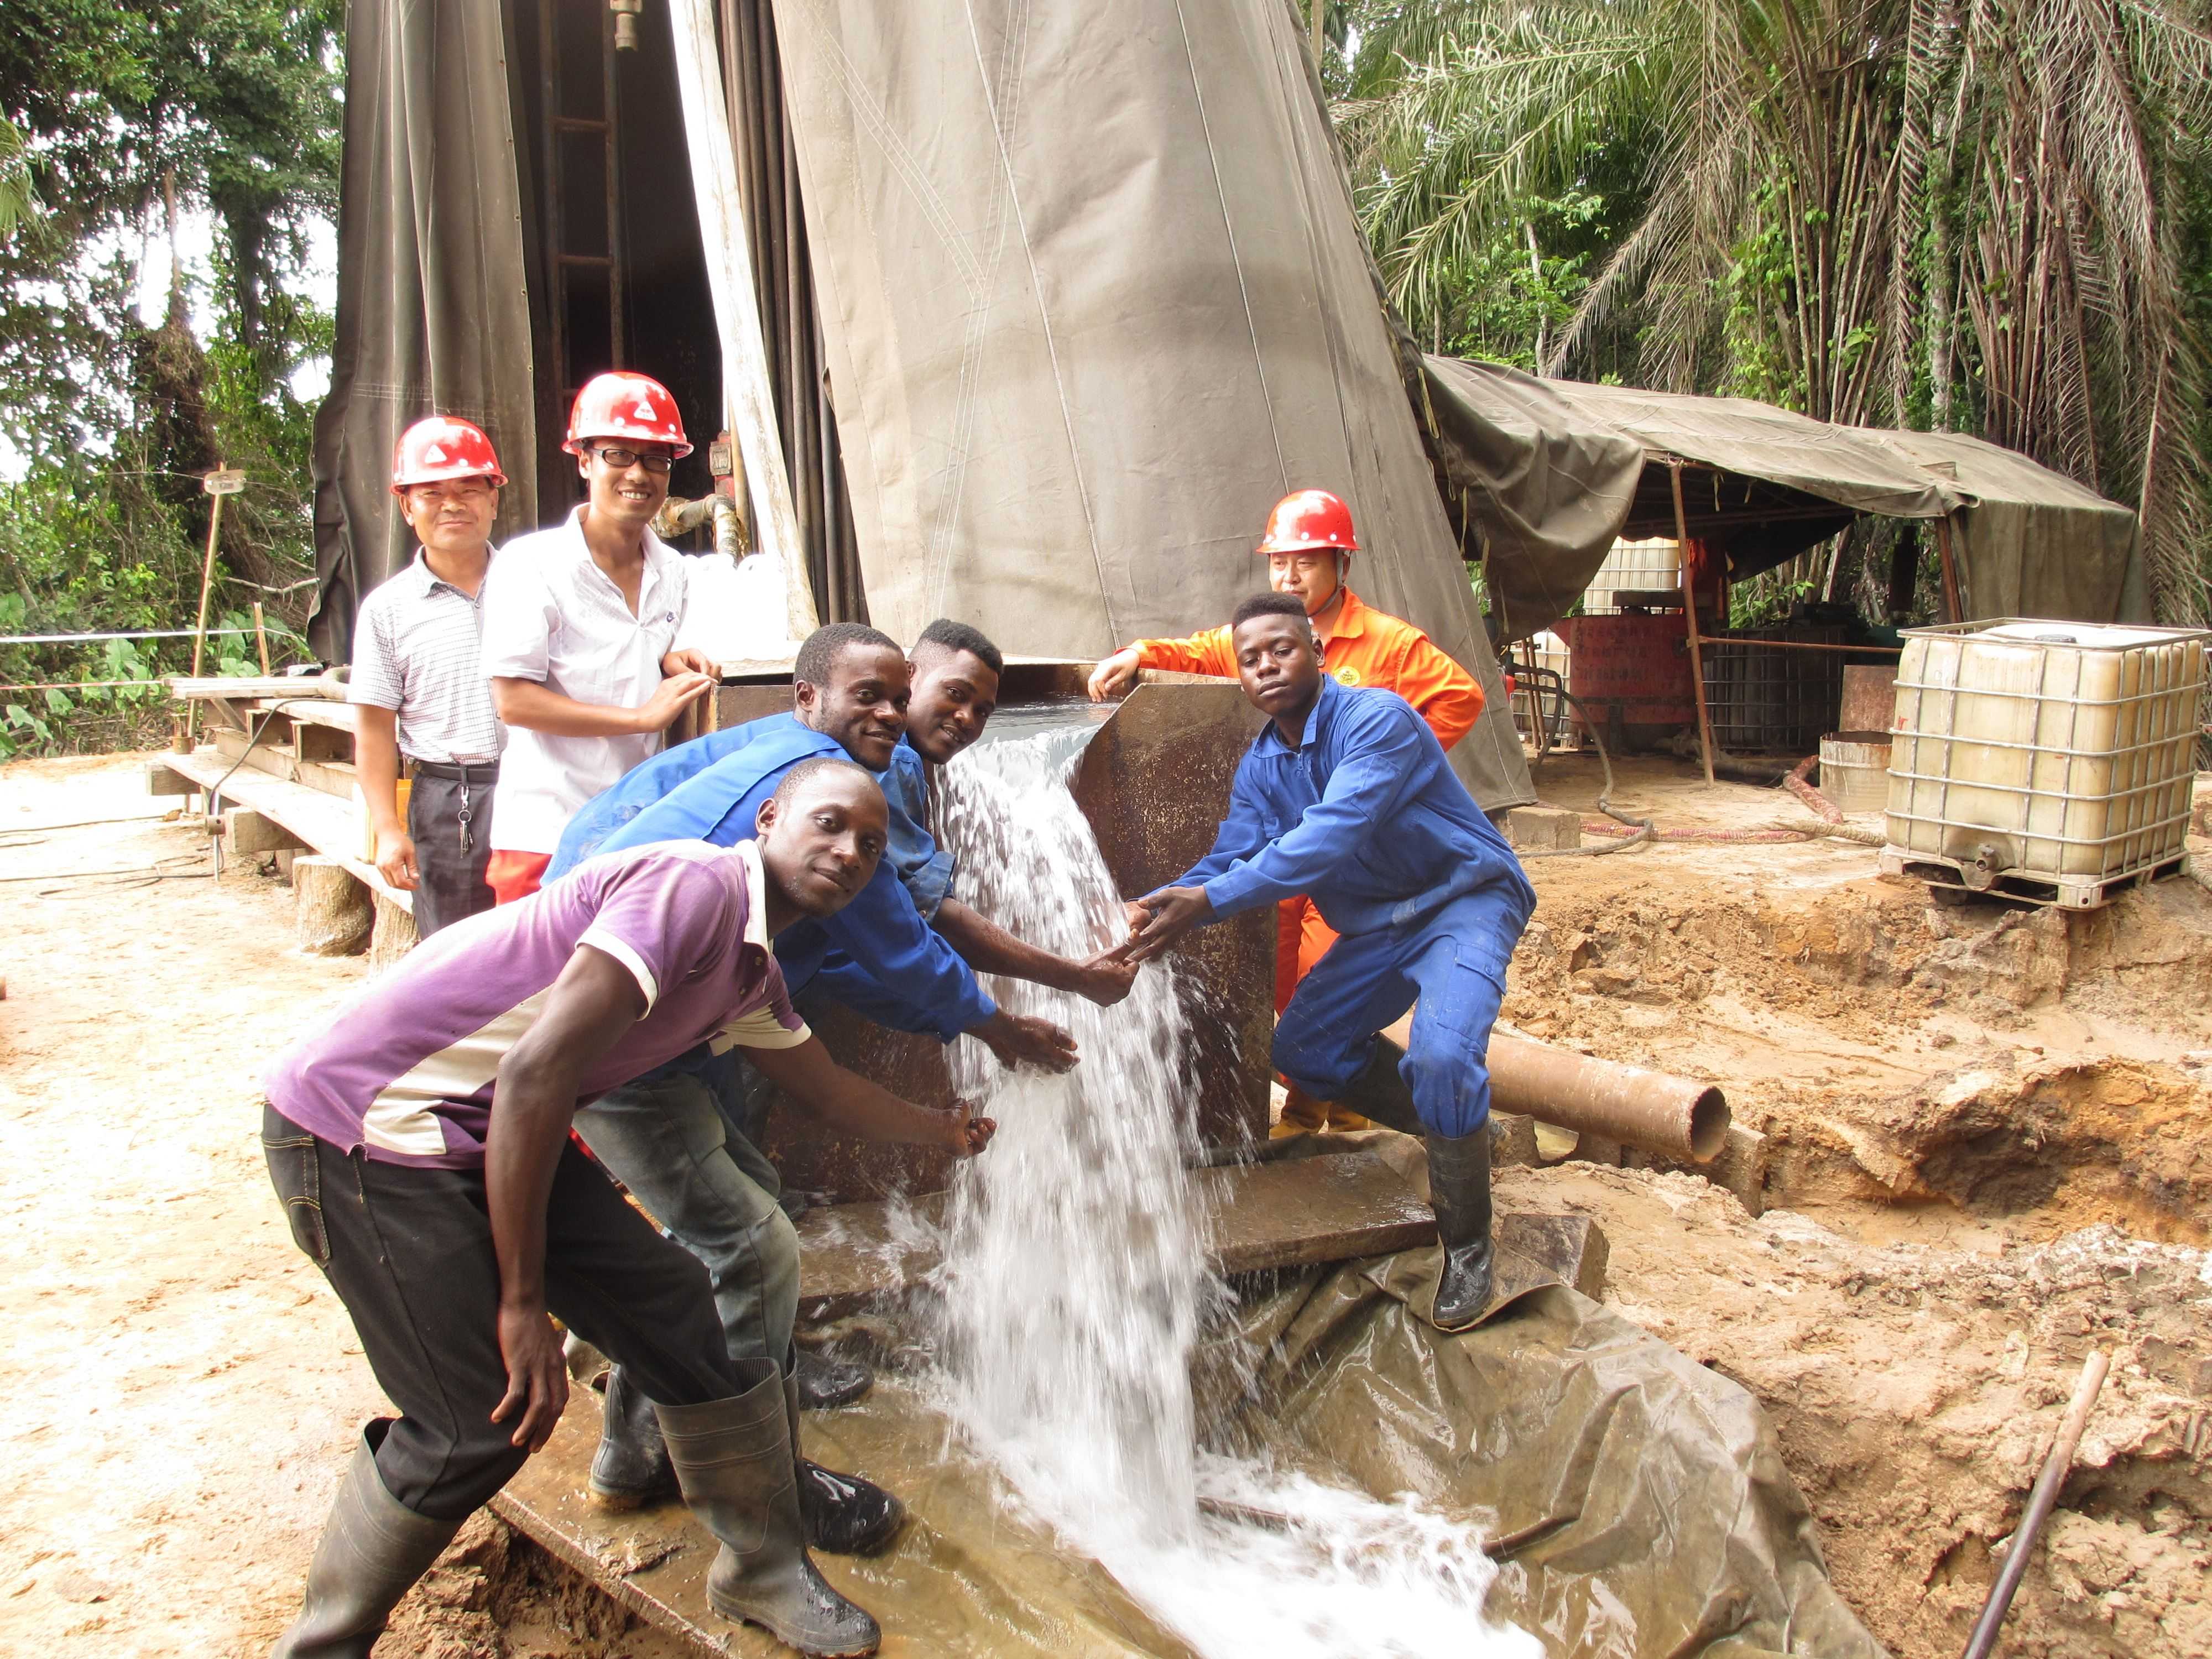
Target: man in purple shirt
[(420, 1144)]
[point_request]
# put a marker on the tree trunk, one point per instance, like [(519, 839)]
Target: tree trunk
[(333, 916), (394, 936)]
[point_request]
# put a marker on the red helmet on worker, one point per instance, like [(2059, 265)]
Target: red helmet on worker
[(619, 404), (439, 448), (1309, 521)]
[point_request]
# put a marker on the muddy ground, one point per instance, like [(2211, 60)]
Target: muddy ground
[(1982, 1153)]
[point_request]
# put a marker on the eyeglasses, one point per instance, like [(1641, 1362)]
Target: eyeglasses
[(623, 459)]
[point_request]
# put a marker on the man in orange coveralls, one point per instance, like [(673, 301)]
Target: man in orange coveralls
[(1309, 543)]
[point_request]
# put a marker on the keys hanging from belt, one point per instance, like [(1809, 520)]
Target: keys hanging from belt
[(468, 841)]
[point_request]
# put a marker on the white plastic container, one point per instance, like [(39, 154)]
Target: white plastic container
[(2051, 761), (1855, 771), (1648, 567)]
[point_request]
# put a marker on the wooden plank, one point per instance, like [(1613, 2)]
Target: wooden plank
[(281, 760), (326, 823), (336, 716), (163, 779), (1291, 1212), (182, 686), (246, 831)]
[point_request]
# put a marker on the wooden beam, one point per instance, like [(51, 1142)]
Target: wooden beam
[(325, 823), (245, 831)]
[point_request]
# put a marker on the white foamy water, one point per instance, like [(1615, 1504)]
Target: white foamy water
[(1075, 1287)]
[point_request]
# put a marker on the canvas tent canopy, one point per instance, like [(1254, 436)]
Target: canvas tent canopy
[(1541, 476), (1062, 300)]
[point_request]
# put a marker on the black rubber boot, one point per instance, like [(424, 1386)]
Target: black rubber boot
[(845, 1514), (734, 1459), (1379, 1093), (1459, 1192), (825, 1383), (372, 1550), (630, 1470)]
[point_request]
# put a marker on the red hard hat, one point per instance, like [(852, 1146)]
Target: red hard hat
[(439, 447), (1307, 520), (618, 404)]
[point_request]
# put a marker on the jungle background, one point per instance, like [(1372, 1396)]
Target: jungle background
[(1992, 216)]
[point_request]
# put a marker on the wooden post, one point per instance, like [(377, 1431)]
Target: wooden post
[(260, 634), (1957, 611), (1690, 613), (199, 627), (334, 913)]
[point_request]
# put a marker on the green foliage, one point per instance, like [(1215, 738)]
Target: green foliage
[(131, 113), (1996, 219)]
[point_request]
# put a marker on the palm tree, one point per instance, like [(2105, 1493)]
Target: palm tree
[(1968, 213)]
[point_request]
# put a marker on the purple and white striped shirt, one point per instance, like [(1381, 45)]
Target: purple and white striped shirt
[(406, 1072)]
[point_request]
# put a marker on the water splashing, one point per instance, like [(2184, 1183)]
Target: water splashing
[(1075, 1286)]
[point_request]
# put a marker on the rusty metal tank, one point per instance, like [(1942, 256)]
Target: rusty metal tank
[(1631, 673), (1154, 782)]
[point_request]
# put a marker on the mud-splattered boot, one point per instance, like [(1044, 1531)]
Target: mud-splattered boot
[(845, 1514), (373, 1549), (825, 1383), (1459, 1192), (735, 1462), (630, 1470)]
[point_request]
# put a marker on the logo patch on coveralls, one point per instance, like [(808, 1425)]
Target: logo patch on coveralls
[(1347, 675)]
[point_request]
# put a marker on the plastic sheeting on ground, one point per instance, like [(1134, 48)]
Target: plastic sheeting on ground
[(1655, 1513)]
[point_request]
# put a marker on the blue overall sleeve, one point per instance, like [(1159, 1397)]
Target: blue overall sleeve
[(883, 933), (638, 789), (1379, 770)]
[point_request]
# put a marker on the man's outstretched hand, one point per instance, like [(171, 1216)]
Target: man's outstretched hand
[(1025, 1040), (1158, 920), (966, 1136)]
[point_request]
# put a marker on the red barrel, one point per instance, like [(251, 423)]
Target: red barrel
[(1631, 673)]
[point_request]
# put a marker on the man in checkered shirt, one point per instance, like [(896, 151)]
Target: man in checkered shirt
[(419, 694)]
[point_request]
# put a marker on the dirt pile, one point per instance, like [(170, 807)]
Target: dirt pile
[(1914, 1389)]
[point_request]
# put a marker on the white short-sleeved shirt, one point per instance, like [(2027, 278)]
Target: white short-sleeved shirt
[(552, 616), (419, 650)]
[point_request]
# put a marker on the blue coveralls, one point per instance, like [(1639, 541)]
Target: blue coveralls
[(711, 788), (1366, 816)]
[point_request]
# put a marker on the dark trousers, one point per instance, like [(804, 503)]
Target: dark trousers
[(409, 1251), (450, 852)]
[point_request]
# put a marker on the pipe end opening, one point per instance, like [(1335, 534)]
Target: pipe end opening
[(1709, 1123)]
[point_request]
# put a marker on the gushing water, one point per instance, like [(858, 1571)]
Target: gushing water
[(1075, 1286)]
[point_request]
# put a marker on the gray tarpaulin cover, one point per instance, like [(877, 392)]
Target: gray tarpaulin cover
[(2032, 543), (1548, 471), (1094, 297), (432, 308)]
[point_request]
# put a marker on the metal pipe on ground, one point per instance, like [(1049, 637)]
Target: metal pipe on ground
[(1674, 1116), (1984, 1638), (1671, 1116)]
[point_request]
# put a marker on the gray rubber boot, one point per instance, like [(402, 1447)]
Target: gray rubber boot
[(1459, 1192), (735, 1462), (630, 1470), (825, 1383), (372, 1550), (844, 1514)]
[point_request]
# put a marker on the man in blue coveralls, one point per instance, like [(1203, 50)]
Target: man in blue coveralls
[(667, 1137), (1346, 796)]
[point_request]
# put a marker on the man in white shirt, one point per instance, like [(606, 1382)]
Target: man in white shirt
[(417, 685), (581, 624)]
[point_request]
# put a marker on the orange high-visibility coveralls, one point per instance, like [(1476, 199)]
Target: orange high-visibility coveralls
[(1369, 647)]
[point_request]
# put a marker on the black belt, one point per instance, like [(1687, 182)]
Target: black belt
[(457, 771)]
